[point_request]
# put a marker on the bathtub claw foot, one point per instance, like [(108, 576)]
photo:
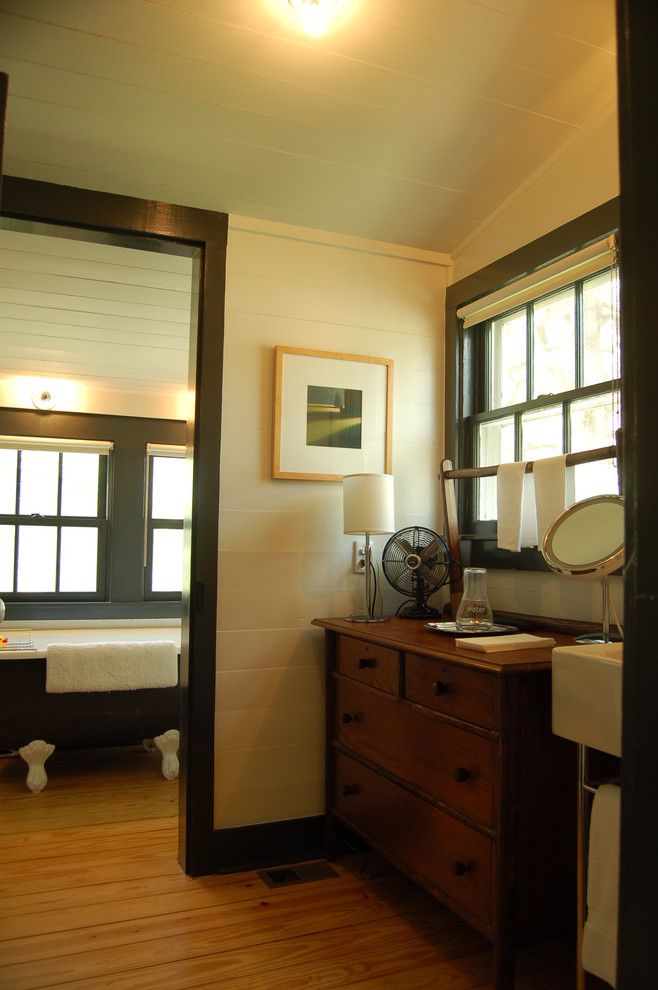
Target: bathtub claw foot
[(167, 743), (35, 755)]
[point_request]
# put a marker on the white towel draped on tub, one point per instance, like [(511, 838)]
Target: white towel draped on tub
[(110, 666), (599, 952)]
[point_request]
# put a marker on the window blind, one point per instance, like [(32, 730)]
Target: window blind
[(164, 450), (52, 443), (594, 258)]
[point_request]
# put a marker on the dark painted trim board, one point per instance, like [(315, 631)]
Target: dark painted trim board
[(201, 235), (253, 847), (637, 30)]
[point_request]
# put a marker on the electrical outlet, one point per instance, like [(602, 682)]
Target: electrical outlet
[(358, 558)]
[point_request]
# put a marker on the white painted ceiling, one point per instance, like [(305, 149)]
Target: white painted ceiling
[(94, 312), (410, 121)]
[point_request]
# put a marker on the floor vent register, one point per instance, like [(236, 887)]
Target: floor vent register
[(284, 876)]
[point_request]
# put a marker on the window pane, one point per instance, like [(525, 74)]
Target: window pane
[(495, 446), (542, 433), (599, 478), (592, 422), (78, 555), (600, 304), (7, 537), (80, 484), (8, 461), (554, 361), (167, 560), (592, 425), (508, 360), (39, 477), (169, 487), (37, 553)]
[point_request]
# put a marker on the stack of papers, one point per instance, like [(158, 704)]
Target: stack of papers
[(499, 644)]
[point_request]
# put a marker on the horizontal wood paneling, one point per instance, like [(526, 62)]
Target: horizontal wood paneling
[(97, 313), (284, 556)]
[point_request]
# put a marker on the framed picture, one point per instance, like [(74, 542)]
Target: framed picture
[(332, 414)]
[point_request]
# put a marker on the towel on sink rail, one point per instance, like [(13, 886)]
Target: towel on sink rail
[(74, 667)]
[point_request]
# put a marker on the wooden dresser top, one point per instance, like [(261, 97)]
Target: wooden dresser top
[(411, 635)]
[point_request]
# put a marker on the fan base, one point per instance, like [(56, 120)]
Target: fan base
[(419, 610), (362, 617)]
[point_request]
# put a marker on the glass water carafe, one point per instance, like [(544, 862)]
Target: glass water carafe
[(474, 612)]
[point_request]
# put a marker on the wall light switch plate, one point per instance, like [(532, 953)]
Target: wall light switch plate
[(358, 558)]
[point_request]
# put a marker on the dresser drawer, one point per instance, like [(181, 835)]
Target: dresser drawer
[(378, 666), (451, 857), (445, 687), (450, 764)]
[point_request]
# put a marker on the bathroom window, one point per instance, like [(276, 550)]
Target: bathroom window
[(550, 385), (53, 518), (90, 527), (537, 374), (166, 489)]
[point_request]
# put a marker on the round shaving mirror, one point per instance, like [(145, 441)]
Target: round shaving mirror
[(587, 541)]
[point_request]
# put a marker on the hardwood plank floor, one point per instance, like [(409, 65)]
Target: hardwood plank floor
[(92, 898)]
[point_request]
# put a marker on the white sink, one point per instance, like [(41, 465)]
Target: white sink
[(587, 695)]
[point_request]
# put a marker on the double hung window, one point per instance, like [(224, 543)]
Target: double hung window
[(53, 518), (540, 376), (92, 528)]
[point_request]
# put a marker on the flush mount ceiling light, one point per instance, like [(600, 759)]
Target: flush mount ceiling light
[(314, 15), (43, 399)]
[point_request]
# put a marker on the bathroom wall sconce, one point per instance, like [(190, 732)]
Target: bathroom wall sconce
[(314, 15), (43, 399)]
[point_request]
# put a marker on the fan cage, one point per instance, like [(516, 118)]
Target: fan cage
[(416, 562)]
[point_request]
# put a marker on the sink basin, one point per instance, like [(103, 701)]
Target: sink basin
[(587, 695)]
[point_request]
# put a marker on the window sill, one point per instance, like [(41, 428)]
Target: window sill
[(482, 552), (30, 612)]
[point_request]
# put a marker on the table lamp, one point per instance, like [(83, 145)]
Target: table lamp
[(368, 509)]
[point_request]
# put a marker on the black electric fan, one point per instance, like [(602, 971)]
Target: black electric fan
[(416, 562)]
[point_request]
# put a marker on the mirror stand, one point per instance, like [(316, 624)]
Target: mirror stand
[(603, 636), (586, 541)]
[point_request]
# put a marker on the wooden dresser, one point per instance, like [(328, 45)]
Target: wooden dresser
[(443, 760)]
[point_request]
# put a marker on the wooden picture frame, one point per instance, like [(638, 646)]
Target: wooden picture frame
[(333, 414)]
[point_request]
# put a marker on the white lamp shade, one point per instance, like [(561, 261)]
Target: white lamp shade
[(368, 503)]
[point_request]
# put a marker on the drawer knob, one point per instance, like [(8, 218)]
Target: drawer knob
[(350, 789), (439, 687), (461, 774), (365, 662), (347, 717), (460, 868)]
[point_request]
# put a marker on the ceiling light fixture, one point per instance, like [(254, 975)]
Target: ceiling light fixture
[(314, 15), (43, 399)]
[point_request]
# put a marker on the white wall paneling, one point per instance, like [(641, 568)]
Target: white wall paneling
[(284, 558)]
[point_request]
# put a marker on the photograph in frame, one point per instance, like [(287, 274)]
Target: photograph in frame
[(332, 414)]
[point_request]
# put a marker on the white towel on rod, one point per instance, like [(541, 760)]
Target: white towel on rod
[(517, 517), (599, 951), (72, 667), (554, 490)]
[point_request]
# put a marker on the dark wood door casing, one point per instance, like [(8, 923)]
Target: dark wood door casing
[(202, 235)]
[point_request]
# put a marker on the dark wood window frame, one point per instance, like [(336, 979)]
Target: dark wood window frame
[(122, 584), (464, 372)]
